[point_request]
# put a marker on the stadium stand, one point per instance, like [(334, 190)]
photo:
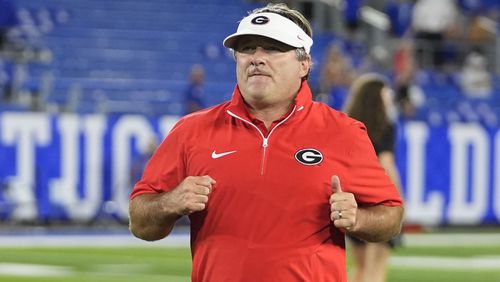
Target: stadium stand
[(134, 57), (104, 54)]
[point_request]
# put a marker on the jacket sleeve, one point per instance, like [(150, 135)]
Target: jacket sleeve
[(166, 168), (366, 178)]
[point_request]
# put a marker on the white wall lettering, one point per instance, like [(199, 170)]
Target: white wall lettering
[(461, 210), (25, 131), (418, 209)]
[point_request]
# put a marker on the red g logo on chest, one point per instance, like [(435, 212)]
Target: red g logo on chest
[(309, 156)]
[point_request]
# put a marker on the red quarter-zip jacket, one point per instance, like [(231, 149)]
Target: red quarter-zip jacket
[(268, 216)]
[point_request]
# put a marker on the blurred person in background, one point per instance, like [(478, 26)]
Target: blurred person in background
[(351, 13), (141, 159), (371, 102), (408, 95), (399, 13), (481, 29), (337, 74), (433, 22), (195, 90), (260, 176), (476, 80)]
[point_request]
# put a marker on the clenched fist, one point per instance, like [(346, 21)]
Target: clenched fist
[(191, 195)]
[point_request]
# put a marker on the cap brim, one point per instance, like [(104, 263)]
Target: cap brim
[(232, 40)]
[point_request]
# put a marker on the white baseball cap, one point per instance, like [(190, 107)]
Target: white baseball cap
[(274, 26)]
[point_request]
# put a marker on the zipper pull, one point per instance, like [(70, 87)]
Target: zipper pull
[(264, 143)]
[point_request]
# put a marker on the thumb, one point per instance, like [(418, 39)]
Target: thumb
[(336, 184)]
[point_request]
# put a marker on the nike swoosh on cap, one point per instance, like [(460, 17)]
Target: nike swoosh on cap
[(219, 155)]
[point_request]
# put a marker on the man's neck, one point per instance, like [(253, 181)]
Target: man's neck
[(269, 114)]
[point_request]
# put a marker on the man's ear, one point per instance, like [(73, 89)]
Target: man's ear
[(305, 66)]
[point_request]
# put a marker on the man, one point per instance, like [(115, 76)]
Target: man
[(260, 175)]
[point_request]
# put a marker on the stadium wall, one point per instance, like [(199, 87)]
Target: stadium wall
[(78, 167)]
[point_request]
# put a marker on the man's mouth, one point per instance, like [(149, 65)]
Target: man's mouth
[(257, 74)]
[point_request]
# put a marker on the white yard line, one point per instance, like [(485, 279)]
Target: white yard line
[(451, 239), (33, 270), (433, 262), (92, 240)]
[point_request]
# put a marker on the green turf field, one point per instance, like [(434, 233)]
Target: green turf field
[(453, 264), (125, 264)]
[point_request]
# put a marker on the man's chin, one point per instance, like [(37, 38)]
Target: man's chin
[(257, 93)]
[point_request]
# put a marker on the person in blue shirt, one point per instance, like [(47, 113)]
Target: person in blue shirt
[(195, 91)]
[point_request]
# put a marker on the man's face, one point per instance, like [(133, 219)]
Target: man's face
[(268, 71)]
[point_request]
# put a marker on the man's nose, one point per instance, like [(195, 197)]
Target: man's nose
[(258, 55)]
